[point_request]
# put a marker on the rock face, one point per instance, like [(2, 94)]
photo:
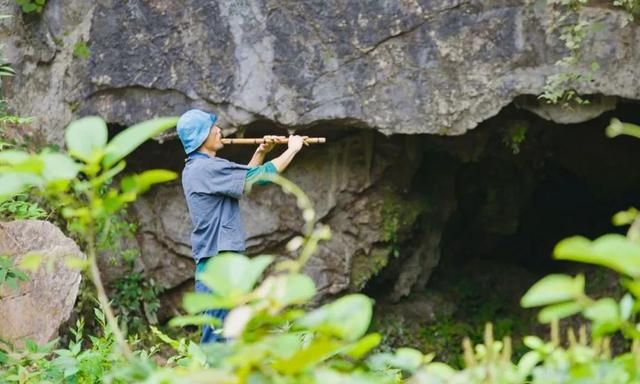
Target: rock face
[(360, 189), (37, 309), (395, 67)]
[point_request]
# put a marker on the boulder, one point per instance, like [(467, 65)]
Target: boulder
[(45, 301)]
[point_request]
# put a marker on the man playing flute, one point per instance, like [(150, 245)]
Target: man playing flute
[(212, 187)]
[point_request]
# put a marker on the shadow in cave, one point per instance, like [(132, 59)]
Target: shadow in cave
[(513, 204)]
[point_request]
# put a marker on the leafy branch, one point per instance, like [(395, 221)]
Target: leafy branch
[(79, 185)]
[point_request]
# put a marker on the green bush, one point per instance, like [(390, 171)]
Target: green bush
[(82, 361), (21, 208), (136, 302), (80, 185)]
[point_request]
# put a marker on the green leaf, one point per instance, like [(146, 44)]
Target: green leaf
[(230, 274), (31, 164), (626, 307), (559, 311), (109, 175), (11, 282), (603, 310), (406, 359), (616, 128), (196, 353), (20, 276), (605, 316), (31, 262), (283, 346), (31, 345), (325, 375), (154, 176), (363, 346), (182, 321), (142, 182), (237, 320), (29, 7), (288, 289), (553, 289), (633, 286), (533, 342), (13, 157), (199, 302), (75, 262), (348, 317), (528, 362), (320, 349), (612, 251), (440, 370), (13, 183), (625, 217), (175, 344), (85, 136), (58, 166), (128, 140)]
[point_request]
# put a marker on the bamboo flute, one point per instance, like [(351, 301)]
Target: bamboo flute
[(283, 140)]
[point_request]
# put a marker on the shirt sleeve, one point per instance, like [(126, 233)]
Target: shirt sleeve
[(255, 174), (224, 178)]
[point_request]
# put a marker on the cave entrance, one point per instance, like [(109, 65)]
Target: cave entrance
[(520, 185)]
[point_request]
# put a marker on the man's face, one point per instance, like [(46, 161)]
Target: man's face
[(214, 140)]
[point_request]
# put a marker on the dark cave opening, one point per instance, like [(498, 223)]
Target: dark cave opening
[(513, 203), (565, 180)]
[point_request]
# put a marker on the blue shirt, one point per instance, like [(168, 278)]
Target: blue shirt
[(212, 187)]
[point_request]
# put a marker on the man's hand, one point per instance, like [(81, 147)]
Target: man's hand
[(269, 144), (296, 142), (263, 149)]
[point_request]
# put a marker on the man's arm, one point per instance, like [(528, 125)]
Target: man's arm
[(282, 162), (258, 158), (256, 174), (263, 149)]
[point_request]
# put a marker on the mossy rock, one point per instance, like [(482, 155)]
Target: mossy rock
[(399, 216), (365, 266)]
